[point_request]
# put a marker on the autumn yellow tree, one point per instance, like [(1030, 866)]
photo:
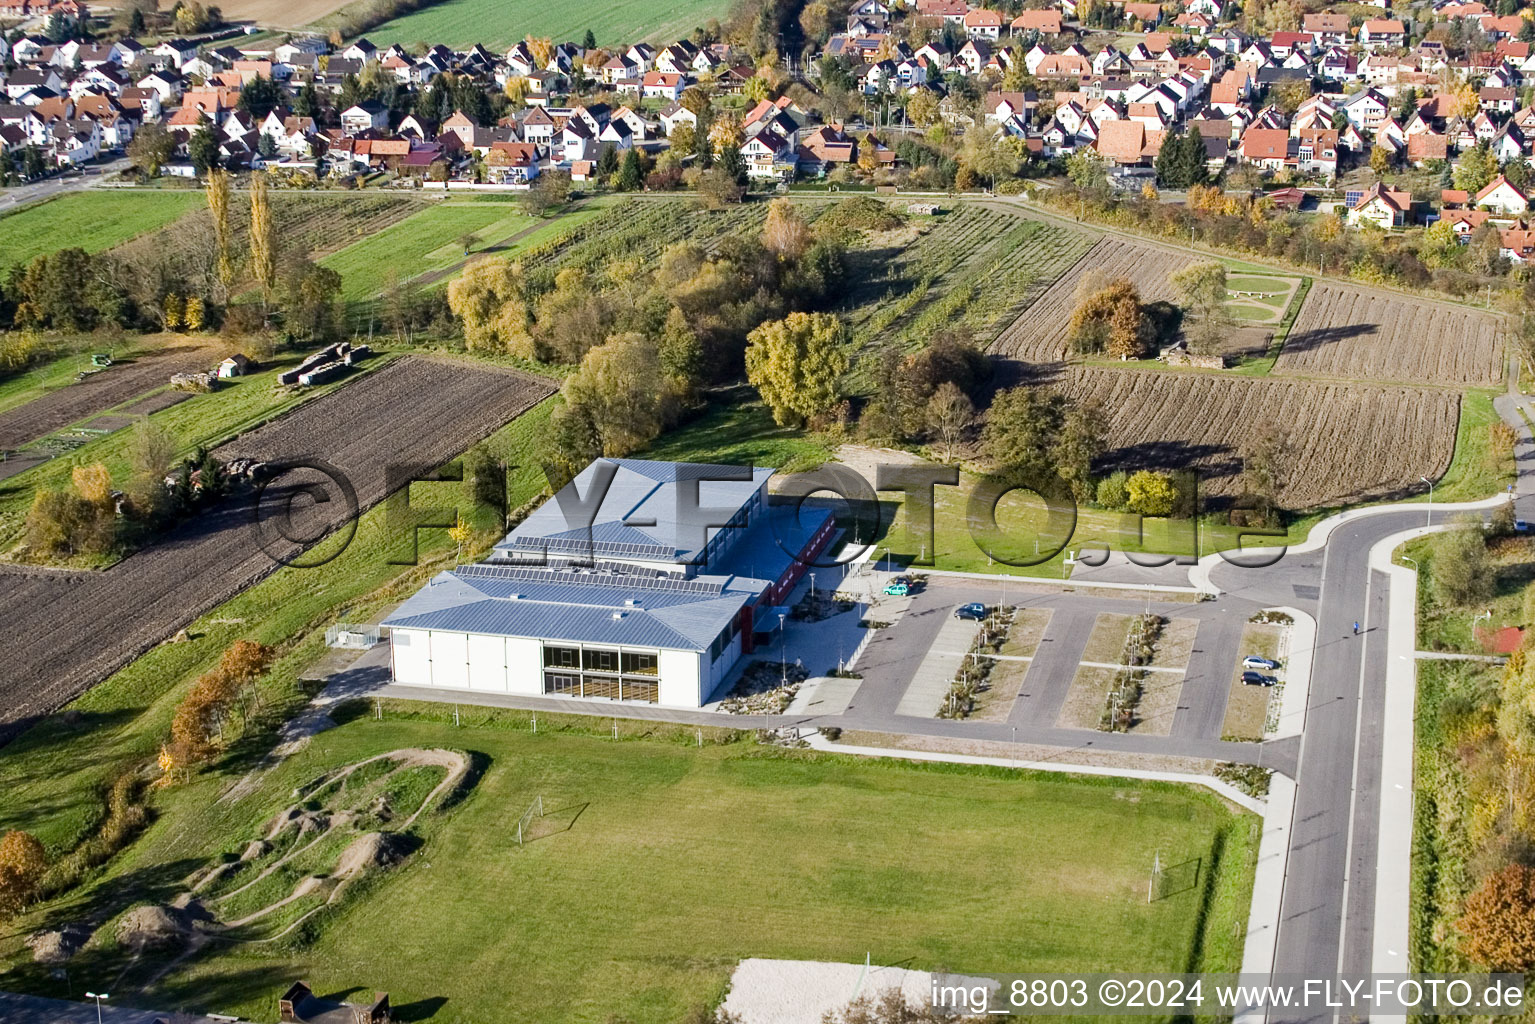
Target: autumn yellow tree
[(22, 863), (1151, 494), (460, 533), (542, 49), (784, 231), (217, 191), (1497, 927), (263, 244), (490, 298), (797, 364)]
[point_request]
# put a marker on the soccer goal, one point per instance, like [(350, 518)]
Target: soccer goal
[(525, 823)]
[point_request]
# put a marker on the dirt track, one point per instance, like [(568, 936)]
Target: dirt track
[(100, 391), (63, 632)]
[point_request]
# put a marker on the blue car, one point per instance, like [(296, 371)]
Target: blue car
[(973, 610)]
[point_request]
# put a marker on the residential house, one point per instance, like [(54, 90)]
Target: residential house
[(363, 116), (511, 163), (1382, 32), (1502, 197), (1268, 148), (1382, 206), (983, 24)]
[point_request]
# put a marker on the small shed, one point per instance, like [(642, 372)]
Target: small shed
[(922, 209), (237, 365)]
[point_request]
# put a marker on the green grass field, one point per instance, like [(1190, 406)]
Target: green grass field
[(500, 23), (423, 243), (660, 864), (90, 220), (69, 356)]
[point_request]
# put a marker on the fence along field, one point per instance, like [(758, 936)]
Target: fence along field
[(1366, 335), (1344, 442)]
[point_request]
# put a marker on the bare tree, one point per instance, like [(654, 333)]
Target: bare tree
[(949, 414)]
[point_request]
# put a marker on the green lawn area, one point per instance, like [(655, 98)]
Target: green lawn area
[(500, 23), (53, 774), (660, 864), (92, 220), (1259, 283), (1474, 471), (739, 431), (422, 243), (1022, 520)]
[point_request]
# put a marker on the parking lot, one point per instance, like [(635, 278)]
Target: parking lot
[(1060, 651)]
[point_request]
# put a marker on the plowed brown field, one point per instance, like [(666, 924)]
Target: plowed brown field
[(1369, 335), (1345, 442), (64, 631), (1039, 335)]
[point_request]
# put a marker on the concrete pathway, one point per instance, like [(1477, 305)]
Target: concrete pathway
[(924, 695), (22, 1009), (1230, 792)]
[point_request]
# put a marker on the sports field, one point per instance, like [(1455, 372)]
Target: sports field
[(89, 220), (500, 23), (660, 863), (423, 243)]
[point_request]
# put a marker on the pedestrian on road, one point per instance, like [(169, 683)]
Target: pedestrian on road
[(1356, 629)]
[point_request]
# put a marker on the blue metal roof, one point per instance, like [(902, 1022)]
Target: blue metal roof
[(579, 605), (640, 515)]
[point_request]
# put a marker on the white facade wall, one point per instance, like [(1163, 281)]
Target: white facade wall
[(514, 664), (450, 660), (411, 652), (524, 665), (679, 679)]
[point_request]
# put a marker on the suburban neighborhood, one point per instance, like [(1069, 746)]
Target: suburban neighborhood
[(766, 511)]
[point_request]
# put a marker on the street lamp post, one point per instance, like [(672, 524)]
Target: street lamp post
[(1429, 521), (783, 655), (98, 996), (1414, 562)]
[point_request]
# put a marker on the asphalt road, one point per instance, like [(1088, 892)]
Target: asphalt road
[(1328, 908), (88, 177)]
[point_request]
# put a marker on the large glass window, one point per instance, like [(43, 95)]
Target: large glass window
[(600, 686), (641, 689), (568, 683), (641, 664), (562, 657), (595, 672), (595, 659)]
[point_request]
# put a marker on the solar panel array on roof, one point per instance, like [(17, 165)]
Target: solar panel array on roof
[(607, 547), (1352, 196), (672, 584)]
